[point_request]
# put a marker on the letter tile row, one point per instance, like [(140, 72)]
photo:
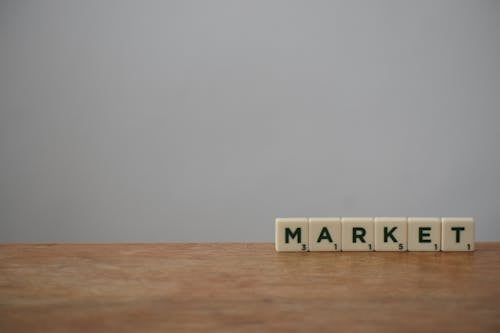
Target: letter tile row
[(375, 234)]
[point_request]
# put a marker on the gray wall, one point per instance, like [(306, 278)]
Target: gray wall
[(204, 120)]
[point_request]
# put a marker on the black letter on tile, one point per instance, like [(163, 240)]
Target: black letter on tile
[(324, 235), (389, 234), (358, 232), (289, 233), (457, 233), (421, 234)]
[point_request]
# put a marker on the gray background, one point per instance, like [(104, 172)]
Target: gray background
[(204, 120)]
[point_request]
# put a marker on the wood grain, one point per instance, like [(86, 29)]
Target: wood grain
[(245, 288)]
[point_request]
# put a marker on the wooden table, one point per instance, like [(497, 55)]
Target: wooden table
[(245, 288)]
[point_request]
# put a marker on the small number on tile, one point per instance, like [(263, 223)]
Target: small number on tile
[(400, 247), (435, 246), (468, 247)]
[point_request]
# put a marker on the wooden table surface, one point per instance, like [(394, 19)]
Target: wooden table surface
[(240, 287)]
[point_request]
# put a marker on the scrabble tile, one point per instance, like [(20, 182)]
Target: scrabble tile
[(424, 234), (457, 234), (391, 234), (357, 234), (324, 234), (292, 234)]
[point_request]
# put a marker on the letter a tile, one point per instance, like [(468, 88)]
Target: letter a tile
[(324, 234)]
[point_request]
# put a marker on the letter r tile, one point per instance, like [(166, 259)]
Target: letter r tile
[(357, 234)]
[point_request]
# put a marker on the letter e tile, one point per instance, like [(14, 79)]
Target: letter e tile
[(424, 234)]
